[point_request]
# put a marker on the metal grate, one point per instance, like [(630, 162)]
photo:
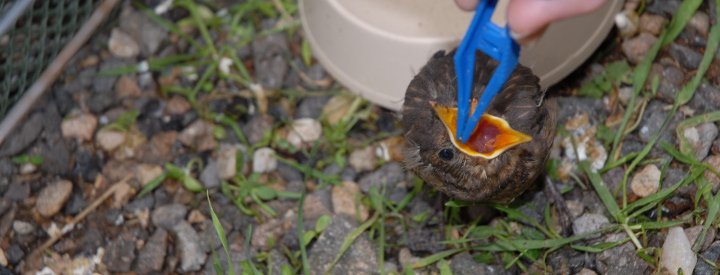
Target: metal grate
[(34, 40)]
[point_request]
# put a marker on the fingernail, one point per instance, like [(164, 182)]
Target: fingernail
[(517, 36)]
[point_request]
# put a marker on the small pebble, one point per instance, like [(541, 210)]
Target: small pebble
[(693, 233), (177, 105), (363, 160), (700, 22), (123, 45), (127, 87), (192, 256), (345, 200), (646, 181), (677, 253), (81, 127), (198, 135), (624, 94), (167, 216), (227, 161), (28, 168), (652, 23), (271, 229), (196, 217), (635, 48), (576, 208), (589, 222), (147, 172), (701, 138), (337, 108), (627, 22), (109, 140), (264, 160), (52, 198), (304, 131), (23, 227), (586, 271), (209, 176), (687, 57), (713, 161)]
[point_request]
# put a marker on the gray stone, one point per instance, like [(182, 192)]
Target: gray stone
[(101, 102), (87, 165), (701, 138), (652, 120), (17, 192), (192, 256), (705, 99), (424, 239), (52, 198), (119, 255), (671, 79), (56, 157), (152, 255), (122, 45), (576, 105), (387, 175), (360, 258), (663, 7), (24, 135), (711, 254), (23, 227), (269, 56), (278, 261), (589, 222), (688, 58), (620, 259), (257, 127), (14, 254), (142, 29), (145, 202), (311, 107), (635, 48), (464, 264), (103, 83), (7, 168), (168, 216), (288, 173), (209, 176), (75, 204)]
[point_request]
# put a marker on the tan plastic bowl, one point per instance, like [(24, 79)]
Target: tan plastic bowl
[(375, 47)]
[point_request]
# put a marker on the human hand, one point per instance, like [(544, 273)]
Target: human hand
[(528, 19)]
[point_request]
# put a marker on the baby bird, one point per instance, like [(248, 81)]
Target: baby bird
[(430, 153)]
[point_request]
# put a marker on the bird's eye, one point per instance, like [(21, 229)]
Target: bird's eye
[(446, 154)]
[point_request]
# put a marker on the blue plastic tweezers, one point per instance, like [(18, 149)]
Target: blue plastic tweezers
[(494, 41)]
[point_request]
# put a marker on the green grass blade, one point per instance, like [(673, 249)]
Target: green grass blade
[(713, 207), (658, 196), (299, 226), (350, 239), (220, 231), (685, 147), (710, 49), (154, 183), (640, 74), (435, 257), (680, 19), (602, 191)]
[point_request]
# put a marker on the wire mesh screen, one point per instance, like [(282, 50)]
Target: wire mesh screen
[(34, 40)]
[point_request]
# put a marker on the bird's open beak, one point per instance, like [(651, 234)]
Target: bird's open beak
[(491, 137)]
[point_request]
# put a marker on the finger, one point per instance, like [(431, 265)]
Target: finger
[(528, 18), (468, 5)]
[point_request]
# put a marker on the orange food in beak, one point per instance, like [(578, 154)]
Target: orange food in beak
[(491, 137)]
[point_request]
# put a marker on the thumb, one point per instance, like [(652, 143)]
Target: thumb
[(528, 18)]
